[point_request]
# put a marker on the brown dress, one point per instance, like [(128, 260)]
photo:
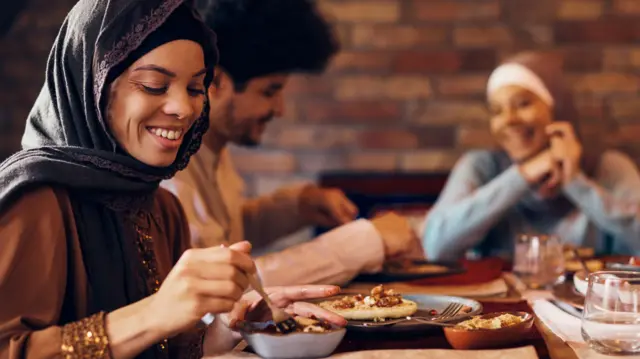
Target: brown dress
[(43, 283)]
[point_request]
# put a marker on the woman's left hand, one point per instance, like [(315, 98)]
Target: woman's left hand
[(252, 308), (565, 148)]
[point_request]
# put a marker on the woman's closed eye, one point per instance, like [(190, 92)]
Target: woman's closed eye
[(153, 89), (196, 91)]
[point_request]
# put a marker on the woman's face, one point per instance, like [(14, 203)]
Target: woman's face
[(152, 105), (518, 121)]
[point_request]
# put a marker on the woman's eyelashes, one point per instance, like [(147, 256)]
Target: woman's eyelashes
[(161, 90)]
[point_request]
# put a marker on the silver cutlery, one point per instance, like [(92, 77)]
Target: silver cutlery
[(450, 311)]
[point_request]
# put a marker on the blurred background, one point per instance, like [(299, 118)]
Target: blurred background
[(406, 94)]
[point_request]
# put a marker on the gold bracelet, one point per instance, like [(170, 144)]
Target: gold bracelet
[(86, 338)]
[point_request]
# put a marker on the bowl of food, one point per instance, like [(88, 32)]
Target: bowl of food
[(313, 338), (491, 330)]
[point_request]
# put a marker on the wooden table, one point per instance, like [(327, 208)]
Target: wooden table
[(546, 344)]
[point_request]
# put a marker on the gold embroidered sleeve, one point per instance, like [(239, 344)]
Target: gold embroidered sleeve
[(86, 338)]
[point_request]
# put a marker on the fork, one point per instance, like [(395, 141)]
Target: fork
[(283, 321), (449, 312)]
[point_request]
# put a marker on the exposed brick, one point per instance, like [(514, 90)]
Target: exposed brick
[(625, 108), (387, 138), (362, 61), (590, 107), (430, 161), (434, 61), (450, 112), (312, 163), (580, 9), (454, 10), (629, 133), (462, 85), (606, 83), (352, 111), (446, 61), (482, 36), (343, 33), (362, 10), (300, 85), (583, 59), (474, 137), (393, 87), (608, 30), (621, 58), (262, 161), (436, 136), (372, 161), (478, 59), (518, 12), (397, 37), (626, 7), (309, 137)]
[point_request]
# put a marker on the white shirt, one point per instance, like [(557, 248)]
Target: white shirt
[(217, 217)]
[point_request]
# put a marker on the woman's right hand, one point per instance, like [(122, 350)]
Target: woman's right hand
[(543, 169), (208, 280)]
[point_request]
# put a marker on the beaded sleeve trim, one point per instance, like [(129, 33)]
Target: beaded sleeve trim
[(86, 338)]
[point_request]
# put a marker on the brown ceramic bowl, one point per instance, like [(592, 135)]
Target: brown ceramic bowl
[(490, 338)]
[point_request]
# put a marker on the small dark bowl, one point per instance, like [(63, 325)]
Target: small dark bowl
[(490, 338)]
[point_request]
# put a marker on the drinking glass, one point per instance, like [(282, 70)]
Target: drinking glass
[(539, 260), (611, 316)]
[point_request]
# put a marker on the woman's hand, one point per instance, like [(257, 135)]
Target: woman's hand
[(209, 280), (565, 149), (253, 308), (542, 170)]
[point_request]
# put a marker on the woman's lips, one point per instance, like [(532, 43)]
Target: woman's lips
[(169, 139)]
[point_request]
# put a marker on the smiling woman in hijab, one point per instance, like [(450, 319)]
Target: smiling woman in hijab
[(94, 258), (543, 179)]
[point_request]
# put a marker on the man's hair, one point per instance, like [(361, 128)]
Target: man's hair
[(263, 37)]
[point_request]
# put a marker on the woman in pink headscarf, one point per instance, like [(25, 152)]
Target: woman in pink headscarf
[(542, 179)]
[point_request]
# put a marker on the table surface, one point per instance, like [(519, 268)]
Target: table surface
[(546, 344)]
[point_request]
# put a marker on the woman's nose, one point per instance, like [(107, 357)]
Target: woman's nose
[(180, 105)]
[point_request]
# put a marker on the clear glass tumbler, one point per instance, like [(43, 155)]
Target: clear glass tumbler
[(539, 260), (611, 316)]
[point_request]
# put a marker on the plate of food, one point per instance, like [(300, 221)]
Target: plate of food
[(382, 304), (410, 269)]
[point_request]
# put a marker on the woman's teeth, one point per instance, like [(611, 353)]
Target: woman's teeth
[(170, 134)]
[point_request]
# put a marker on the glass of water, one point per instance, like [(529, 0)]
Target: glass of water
[(611, 316), (539, 260)]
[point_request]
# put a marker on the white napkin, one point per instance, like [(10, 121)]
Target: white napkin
[(564, 325), (568, 328)]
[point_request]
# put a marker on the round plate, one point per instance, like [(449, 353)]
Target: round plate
[(565, 292), (425, 303), (414, 269)]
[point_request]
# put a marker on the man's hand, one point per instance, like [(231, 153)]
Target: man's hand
[(397, 234), (327, 207)]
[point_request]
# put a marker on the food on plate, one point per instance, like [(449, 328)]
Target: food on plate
[(304, 325), (583, 252), (414, 267), (594, 265), (501, 321), (379, 305)]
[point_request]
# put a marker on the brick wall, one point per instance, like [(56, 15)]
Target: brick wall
[(406, 93), (23, 57)]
